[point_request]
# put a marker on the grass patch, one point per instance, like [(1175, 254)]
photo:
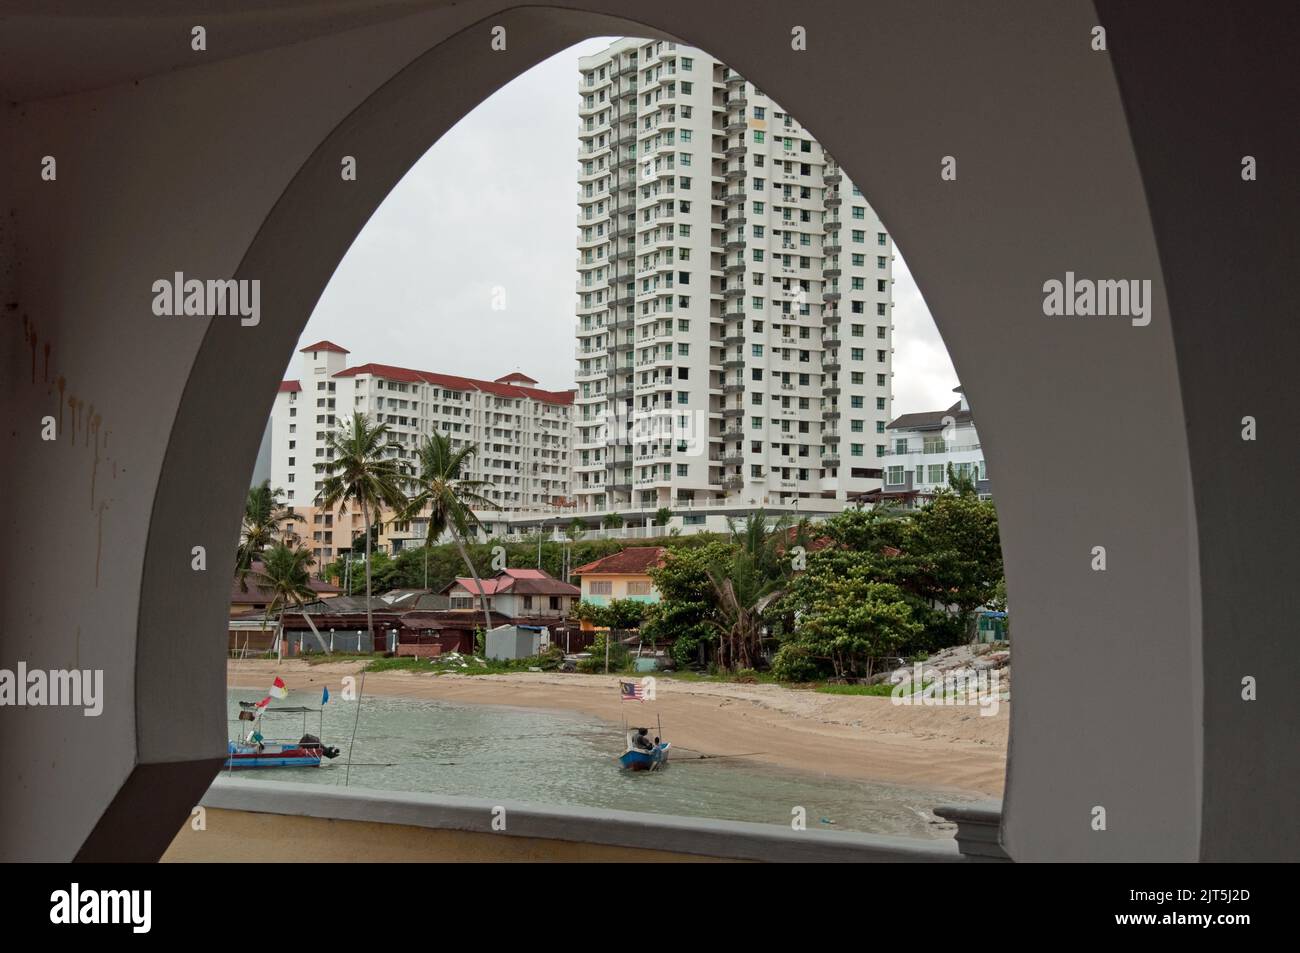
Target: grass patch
[(884, 688)]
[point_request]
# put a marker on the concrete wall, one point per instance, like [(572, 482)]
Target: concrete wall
[(250, 821), (227, 163)]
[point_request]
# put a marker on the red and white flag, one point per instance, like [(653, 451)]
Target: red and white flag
[(279, 689)]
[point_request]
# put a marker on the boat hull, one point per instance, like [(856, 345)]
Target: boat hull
[(272, 756), (635, 760)]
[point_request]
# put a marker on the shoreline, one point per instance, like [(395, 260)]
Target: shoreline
[(857, 737)]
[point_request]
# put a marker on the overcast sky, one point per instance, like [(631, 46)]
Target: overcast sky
[(494, 205)]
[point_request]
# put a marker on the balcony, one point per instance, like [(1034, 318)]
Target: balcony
[(623, 254), (830, 436), (733, 364), (832, 226), (734, 197), (629, 208), (623, 393), (830, 320), (830, 415), (733, 483), (734, 267), (833, 178), (830, 459), (733, 221), (733, 127), (832, 201), (623, 324), (737, 434), (834, 248), (626, 301), (831, 272), (831, 365), (830, 296), (733, 340), (832, 390), (735, 292), (733, 411), (831, 341), (732, 175), (734, 152), (733, 389), (733, 459)]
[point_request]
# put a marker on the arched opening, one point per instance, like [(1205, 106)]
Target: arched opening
[(982, 253)]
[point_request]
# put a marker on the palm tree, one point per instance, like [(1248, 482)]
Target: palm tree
[(264, 515), (360, 475), (449, 496), (286, 576), (743, 588)]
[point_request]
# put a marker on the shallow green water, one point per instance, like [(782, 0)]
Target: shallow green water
[(551, 757)]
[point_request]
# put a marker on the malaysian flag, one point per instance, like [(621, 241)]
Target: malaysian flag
[(630, 691)]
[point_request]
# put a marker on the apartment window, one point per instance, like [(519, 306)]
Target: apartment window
[(759, 136), (855, 426), (881, 238), (601, 587), (758, 208), (859, 236), (856, 402), (859, 212)]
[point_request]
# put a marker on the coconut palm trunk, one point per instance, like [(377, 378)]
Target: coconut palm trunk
[(370, 617), (482, 596)]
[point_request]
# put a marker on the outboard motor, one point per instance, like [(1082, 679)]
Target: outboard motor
[(311, 741)]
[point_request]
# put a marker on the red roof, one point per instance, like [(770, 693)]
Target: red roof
[(631, 561), (288, 387), (325, 346), (411, 376), (522, 581), (515, 378)]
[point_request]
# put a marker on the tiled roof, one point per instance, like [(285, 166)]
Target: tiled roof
[(529, 582), (288, 387), (256, 595), (930, 419), (325, 346), (631, 561), (451, 382)]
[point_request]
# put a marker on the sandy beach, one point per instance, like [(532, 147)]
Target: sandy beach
[(850, 736)]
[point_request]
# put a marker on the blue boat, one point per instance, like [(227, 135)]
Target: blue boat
[(252, 750), (639, 759)]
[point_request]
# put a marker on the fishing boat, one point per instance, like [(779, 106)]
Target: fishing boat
[(253, 750), (640, 759)]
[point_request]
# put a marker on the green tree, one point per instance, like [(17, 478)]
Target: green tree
[(663, 515), (612, 521), (954, 543), (359, 474), (285, 573), (264, 518), (846, 619), (443, 489), (686, 608)]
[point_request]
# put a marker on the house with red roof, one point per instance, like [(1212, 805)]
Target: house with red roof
[(516, 594), (621, 575)]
